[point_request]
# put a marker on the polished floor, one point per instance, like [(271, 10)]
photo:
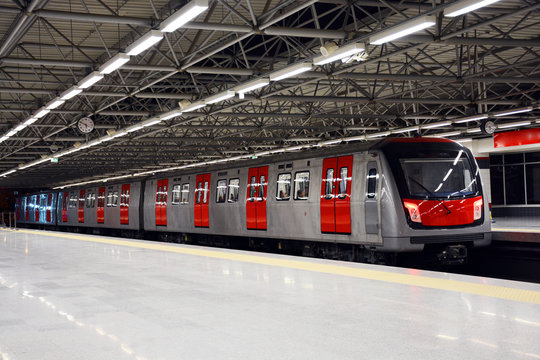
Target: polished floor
[(73, 296)]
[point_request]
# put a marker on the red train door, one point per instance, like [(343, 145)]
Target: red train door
[(49, 208), (81, 206), (27, 209), (36, 209), (202, 199), (256, 198), (336, 195), (161, 202), (100, 209), (65, 201), (124, 204)]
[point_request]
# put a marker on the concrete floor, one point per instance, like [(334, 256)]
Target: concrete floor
[(66, 296)]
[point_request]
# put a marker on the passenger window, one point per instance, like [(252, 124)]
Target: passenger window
[(252, 188), (283, 191), (127, 198), (372, 183), (88, 200), (176, 192), (115, 198), (199, 190), (185, 194), (109, 199), (329, 192), (301, 185), (93, 200), (343, 179), (221, 194), (234, 187), (262, 185), (205, 195)]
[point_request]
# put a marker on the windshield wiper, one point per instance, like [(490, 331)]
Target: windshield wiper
[(430, 193)]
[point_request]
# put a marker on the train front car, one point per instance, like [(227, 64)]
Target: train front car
[(435, 202)]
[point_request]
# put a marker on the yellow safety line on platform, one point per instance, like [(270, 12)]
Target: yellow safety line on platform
[(501, 292), (517, 230)]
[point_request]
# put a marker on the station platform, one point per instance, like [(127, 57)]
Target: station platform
[(516, 229), (74, 296)]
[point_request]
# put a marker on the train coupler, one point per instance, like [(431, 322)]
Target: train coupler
[(453, 255)]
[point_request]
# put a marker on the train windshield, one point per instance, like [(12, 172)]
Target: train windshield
[(433, 170)]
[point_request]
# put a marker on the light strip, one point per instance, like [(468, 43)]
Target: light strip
[(71, 92), (290, 71), (228, 94), (169, 115), (114, 63), (184, 15), (465, 6), (252, 85), (144, 42), (407, 129), (404, 29), (30, 121), (90, 80), (512, 112), (435, 125), (470, 118), (340, 53), (55, 103), (194, 106), (42, 112), (514, 124)]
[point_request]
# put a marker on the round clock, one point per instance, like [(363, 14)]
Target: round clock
[(85, 125), (488, 127)]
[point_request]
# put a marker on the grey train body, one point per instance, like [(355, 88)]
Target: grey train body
[(378, 222)]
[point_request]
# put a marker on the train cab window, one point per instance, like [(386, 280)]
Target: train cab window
[(283, 191), (205, 195), (234, 190), (372, 183), (343, 179), (252, 188), (329, 188), (221, 193), (109, 199), (176, 191), (115, 198), (198, 190), (184, 197), (301, 185)]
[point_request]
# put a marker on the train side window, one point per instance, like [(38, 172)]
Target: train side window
[(176, 191), (329, 188), (93, 200), (221, 193), (283, 191), (301, 185), (198, 190), (234, 190), (372, 183), (343, 178), (252, 188), (262, 184), (184, 197), (206, 190), (109, 199), (115, 198)]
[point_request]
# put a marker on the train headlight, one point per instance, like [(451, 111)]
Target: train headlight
[(414, 212), (478, 209)]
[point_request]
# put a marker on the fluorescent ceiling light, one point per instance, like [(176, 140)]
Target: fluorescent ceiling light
[(385, 133), (435, 125), (11, 133), (470, 118), (252, 85), (474, 130), (404, 130), (182, 16), (340, 53), (30, 121), (90, 80), (465, 6), (19, 127), (220, 97), (448, 134), (71, 92), (290, 71), (194, 106), (144, 42), (514, 124), (169, 115), (55, 103), (135, 128), (151, 122), (404, 29), (42, 112), (114, 63), (512, 112)]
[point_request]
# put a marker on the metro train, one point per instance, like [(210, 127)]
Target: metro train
[(387, 197)]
